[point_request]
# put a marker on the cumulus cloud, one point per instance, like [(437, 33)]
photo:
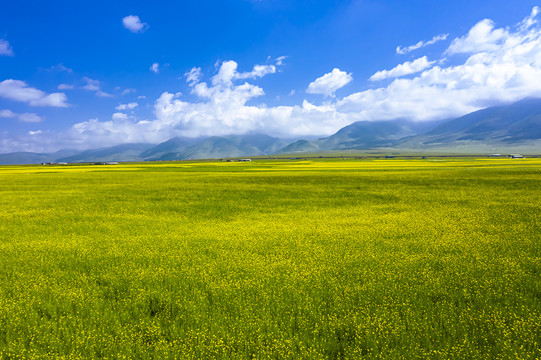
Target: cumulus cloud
[(228, 73), (193, 76), (5, 48), (129, 106), (505, 67), (329, 83), (155, 68), (134, 24), (407, 68), (25, 117), (421, 44), (18, 90), (482, 37)]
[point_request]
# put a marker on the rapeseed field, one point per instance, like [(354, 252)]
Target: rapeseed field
[(320, 259)]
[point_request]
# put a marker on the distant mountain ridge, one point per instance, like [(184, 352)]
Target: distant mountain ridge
[(514, 126), (359, 135), (215, 147), (516, 123)]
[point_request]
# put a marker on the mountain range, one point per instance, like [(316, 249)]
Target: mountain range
[(514, 127)]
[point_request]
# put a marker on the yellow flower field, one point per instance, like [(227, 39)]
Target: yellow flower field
[(433, 258)]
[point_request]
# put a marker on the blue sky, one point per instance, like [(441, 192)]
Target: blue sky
[(91, 74)]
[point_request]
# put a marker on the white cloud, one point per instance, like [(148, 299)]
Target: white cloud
[(128, 91), (7, 114), (60, 68), (119, 116), (329, 83), (134, 24), (103, 94), (280, 60), (506, 67), (421, 44), (481, 37), (155, 68), (531, 20), (407, 68), (129, 106), (26, 117), (5, 48), (193, 76), (30, 117), (94, 85), (257, 72), (66, 87), (18, 90), (37, 132), (91, 84), (228, 73)]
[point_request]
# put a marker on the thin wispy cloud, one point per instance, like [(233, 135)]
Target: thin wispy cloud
[(24, 117), (193, 76), (128, 91), (60, 68), (94, 85), (407, 68), (5, 48), (66, 87), (421, 44)]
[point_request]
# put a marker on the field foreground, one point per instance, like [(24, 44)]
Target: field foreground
[(323, 259)]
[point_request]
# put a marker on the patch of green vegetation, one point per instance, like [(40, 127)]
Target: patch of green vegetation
[(321, 259)]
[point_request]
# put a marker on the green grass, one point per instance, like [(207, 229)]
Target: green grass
[(323, 259)]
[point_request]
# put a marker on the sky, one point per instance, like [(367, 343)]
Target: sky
[(81, 74)]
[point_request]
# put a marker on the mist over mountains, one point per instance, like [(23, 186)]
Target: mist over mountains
[(514, 127)]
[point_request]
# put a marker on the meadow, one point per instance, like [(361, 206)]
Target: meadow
[(433, 258)]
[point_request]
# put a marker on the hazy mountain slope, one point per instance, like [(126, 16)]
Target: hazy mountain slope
[(228, 146), (516, 123), (24, 158), (359, 135), (125, 152), (300, 146), (168, 148)]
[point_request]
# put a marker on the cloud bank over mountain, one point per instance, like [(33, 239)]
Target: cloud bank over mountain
[(488, 65)]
